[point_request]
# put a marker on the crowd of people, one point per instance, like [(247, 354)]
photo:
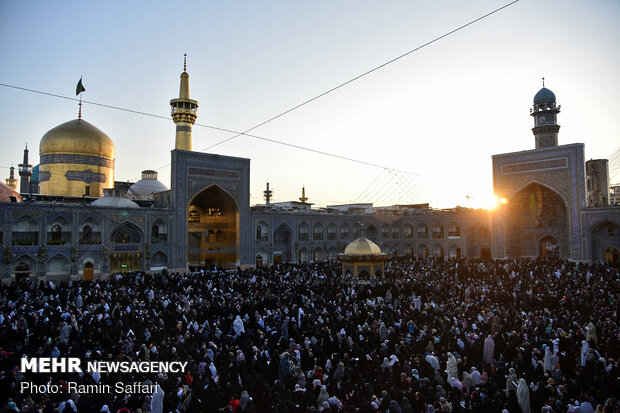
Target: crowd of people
[(453, 336)]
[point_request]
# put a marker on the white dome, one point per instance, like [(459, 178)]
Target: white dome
[(114, 202), (146, 187)]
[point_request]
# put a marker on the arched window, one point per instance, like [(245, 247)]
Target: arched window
[(454, 230), (90, 232), (437, 231), (319, 254), (395, 231), (385, 231), (304, 232), (408, 231), (409, 250), (332, 253), (438, 251), (317, 232), (344, 231), (262, 231), (331, 232), (423, 251), (304, 255), (422, 231), (56, 233)]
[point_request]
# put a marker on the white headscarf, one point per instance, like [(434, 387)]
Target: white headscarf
[(523, 396), (238, 326), (451, 368), (585, 349)]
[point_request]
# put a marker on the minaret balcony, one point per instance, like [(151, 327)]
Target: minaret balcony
[(183, 111)]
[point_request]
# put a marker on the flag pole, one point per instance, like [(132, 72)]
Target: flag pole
[(78, 91), (80, 110)]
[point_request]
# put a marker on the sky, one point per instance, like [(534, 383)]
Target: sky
[(430, 121)]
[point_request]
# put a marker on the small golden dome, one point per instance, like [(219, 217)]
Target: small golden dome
[(77, 137), (362, 246)]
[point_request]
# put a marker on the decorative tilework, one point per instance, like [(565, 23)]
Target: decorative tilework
[(76, 159), (87, 176)]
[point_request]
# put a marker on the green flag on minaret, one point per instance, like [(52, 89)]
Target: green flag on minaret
[(79, 88)]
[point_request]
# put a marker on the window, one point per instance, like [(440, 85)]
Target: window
[(422, 231), (437, 231), (317, 232), (87, 190), (56, 233), (331, 232), (194, 217), (385, 231), (262, 232), (304, 232), (408, 231), (454, 230), (395, 231)]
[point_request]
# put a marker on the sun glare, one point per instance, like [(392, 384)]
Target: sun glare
[(489, 202)]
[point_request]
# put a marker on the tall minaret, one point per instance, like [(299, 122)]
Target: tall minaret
[(11, 182), (25, 170), (268, 193), (184, 112), (545, 114)]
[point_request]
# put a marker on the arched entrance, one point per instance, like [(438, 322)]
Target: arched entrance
[(126, 246), (548, 247), (535, 211), (612, 254), (259, 260), (22, 270), (485, 253), (282, 244), (88, 270), (213, 229)]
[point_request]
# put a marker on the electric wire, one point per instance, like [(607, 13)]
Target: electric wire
[(245, 133), (436, 39)]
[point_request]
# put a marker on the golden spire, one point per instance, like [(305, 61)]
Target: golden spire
[(184, 112), (303, 195)]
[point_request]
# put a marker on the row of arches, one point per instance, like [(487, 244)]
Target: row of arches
[(59, 266), (332, 232), (25, 231), (422, 251)]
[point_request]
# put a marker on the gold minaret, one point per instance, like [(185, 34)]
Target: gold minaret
[(303, 195), (11, 182), (184, 112)]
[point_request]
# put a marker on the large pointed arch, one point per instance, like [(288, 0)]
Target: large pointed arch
[(533, 212), (213, 211), (126, 232)]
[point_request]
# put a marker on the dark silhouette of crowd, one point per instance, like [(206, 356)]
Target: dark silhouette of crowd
[(450, 336)]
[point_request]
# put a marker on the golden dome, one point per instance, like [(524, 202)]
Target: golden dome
[(362, 246), (77, 137)]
